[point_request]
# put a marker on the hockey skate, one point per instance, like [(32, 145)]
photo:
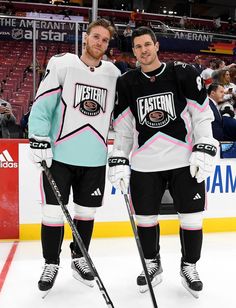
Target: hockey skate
[(80, 268), (48, 278), (154, 269), (81, 271), (190, 278)]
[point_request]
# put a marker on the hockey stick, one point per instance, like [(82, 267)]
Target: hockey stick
[(76, 235), (140, 250)]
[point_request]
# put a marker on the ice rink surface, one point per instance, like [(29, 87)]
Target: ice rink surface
[(118, 264)]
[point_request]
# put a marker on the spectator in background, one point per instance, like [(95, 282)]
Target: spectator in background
[(122, 63), (230, 26), (7, 118), (207, 72), (199, 63), (229, 87), (224, 124), (109, 56), (217, 24), (133, 17), (127, 38), (216, 94), (183, 22), (219, 65), (232, 72), (24, 122)]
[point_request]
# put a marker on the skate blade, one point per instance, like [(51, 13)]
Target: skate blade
[(192, 292), (45, 293), (89, 283), (155, 281)]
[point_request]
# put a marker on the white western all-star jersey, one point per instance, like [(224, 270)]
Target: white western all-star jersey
[(161, 117), (73, 106)]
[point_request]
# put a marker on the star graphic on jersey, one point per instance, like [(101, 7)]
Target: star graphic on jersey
[(70, 124)]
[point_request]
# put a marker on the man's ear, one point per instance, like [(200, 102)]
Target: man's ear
[(157, 46), (85, 38), (133, 52)]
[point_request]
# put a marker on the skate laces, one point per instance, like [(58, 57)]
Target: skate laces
[(189, 270), (81, 264), (152, 266), (49, 272)]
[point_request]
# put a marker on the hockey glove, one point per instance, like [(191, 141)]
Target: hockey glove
[(202, 159), (119, 171), (41, 150)]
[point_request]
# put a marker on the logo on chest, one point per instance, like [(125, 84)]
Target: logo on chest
[(91, 100), (156, 110)]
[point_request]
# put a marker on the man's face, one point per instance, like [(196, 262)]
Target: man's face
[(218, 94), (145, 50), (96, 42)]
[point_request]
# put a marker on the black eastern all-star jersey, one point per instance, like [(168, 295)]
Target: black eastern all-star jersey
[(160, 118)]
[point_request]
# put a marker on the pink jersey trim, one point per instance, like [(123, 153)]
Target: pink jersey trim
[(61, 121), (196, 106), (164, 137), (121, 117), (41, 189), (80, 132), (47, 94), (187, 125)]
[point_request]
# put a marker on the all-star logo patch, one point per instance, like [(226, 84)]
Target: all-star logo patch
[(91, 100), (156, 110)]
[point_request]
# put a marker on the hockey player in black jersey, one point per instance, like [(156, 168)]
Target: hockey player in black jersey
[(162, 124)]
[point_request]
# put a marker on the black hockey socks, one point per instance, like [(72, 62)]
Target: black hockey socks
[(52, 238), (85, 229), (149, 238), (191, 244)]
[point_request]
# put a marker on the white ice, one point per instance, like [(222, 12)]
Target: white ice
[(118, 264)]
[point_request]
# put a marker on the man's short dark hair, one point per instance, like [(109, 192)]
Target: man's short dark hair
[(213, 87), (142, 31)]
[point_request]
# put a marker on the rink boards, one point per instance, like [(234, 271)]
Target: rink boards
[(20, 200)]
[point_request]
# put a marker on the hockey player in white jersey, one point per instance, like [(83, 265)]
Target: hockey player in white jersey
[(68, 128), (162, 123)]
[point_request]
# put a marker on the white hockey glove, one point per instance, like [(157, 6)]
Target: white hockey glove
[(202, 159), (119, 171), (41, 150)]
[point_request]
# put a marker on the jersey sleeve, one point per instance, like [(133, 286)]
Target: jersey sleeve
[(123, 119), (47, 98), (194, 90)]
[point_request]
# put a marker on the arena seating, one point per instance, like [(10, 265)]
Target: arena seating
[(16, 68), (16, 74)]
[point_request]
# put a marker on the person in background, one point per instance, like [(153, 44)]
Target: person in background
[(229, 87), (199, 63), (162, 121), (127, 33), (7, 118), (109, 56), (68, 128), (206, 74), (224, 124), (24, 122)]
